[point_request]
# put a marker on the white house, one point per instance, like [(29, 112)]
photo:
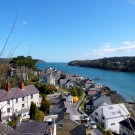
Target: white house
[(17, 100), (50, 78), (96, 102), (109, 116)]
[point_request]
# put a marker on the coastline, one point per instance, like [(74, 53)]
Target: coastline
[(120, 81)]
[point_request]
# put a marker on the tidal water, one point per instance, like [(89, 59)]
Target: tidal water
[(122, 82)]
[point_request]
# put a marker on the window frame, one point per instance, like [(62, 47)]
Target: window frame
[(8, 110), (23, 105), (22, 98), (16, 100)]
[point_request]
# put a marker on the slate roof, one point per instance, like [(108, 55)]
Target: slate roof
[(114, 110), (126, 123), (29, 128), (92, 92), (54, 109), (69, 75), (54, 101), (89, 82), (17, 92), (5, 129), (63, 81), (58, 107), (72, 78), (80, 130), (60, 115)]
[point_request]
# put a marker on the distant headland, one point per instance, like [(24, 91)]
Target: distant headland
[(124, 63), (40, 61)]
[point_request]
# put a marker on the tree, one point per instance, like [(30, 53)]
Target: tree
[(45, 105), (33, 109), (76, 91), (23, 63), (108, 132), (35, 113), (47, 89), (14, 120), (39, 116), (79, 90)]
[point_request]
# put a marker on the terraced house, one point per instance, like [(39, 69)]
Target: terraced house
[(17, 100)]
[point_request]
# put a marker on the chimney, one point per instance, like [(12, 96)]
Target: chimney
[(21, 85), (89, 130), (66, 115), (7, 86)]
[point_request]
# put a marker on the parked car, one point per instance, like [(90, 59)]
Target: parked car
[(86, 117), (92, 123)]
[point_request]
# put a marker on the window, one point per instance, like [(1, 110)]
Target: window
[(22, 98), (60, 125), (24, 115), (22, 105), (102, 124), (15, 110), (16, 100), (112, 123), (8, 110), (8, 102), (96, 113), (103, 117), (96, 119), (31, 96)]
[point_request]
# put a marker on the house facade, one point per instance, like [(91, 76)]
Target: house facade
[(17, 100), (109, 116)]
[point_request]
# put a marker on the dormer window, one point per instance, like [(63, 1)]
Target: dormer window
[(31, 96)]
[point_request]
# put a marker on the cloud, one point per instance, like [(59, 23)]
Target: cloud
[(107, 49), (131, 1), (24, 23), (125, 46)]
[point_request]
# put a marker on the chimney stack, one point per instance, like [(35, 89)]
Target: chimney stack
[(21, 85), (7, 86)]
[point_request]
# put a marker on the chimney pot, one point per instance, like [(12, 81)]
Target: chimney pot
[(21, 85)]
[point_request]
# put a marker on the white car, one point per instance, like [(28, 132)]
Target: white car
[(92, 123), (86, 117)]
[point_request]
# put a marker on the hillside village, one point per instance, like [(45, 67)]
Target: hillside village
[(73, 105)]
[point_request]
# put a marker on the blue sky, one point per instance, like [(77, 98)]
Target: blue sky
[(65, 30)]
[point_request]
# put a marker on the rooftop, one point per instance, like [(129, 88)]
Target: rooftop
[(79, 130), (114, 110), (126, 123), (17, 92)]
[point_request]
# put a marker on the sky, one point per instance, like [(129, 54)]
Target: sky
[(65, 30)]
